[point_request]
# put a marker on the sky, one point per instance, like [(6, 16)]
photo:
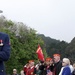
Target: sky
[(53, 18)]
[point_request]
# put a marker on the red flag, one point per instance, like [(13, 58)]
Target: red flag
[(40, 53)]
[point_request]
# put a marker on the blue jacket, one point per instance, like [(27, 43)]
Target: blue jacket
[(66, 71), (4, 51)]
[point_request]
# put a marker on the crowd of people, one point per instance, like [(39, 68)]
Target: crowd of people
[(51, 66)]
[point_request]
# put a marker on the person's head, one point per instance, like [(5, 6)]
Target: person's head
[(22, 72), (65, 62), (48, 61), (56, 58), (31, 63), (14, 71), (74, 65)]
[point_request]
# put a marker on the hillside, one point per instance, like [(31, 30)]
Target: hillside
[(53, 46)]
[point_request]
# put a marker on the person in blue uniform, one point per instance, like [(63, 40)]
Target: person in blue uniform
[(4, 51)]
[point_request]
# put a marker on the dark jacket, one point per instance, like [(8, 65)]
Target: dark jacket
[(57, 67), (4, 51)]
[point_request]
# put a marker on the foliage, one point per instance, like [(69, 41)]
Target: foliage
[(24, 42), (70, 50)]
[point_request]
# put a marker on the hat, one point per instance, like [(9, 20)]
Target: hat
[(56, 55), (31, 61), (48, 59)]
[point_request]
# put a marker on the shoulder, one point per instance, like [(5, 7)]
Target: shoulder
[(67, 68), (2, 34)]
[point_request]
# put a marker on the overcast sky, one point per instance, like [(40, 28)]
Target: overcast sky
[(53, 18)]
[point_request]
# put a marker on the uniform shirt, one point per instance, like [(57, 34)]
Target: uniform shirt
[(57, 68), (31, 71), (4, 51)]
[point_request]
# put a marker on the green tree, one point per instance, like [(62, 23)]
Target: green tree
[(24, 42)]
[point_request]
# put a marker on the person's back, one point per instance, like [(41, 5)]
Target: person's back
[(4, 51)]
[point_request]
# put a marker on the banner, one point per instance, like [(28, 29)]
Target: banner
[(40, 53)]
